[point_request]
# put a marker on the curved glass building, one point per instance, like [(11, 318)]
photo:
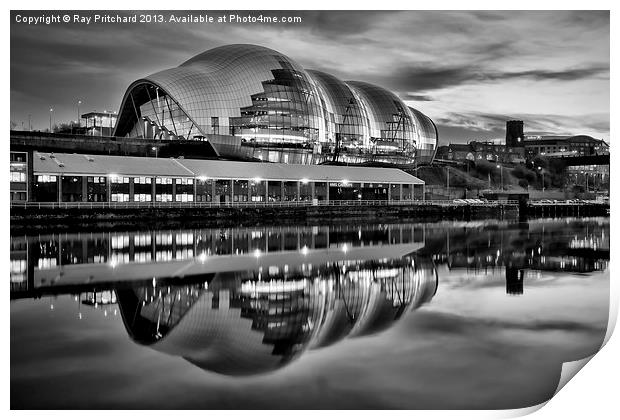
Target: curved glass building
[(251, 102)]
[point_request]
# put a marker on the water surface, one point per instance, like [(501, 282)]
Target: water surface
[(443, 315)]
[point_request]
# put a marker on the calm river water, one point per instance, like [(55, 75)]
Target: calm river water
[(431, 315)]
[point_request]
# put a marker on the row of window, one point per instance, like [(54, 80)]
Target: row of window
[(21, 177), (184, 198), (18, 177), (46, 178), (18, 157), (18, 195), (96, 179)]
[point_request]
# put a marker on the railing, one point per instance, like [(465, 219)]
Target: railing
[(250, 204), (565, 202)]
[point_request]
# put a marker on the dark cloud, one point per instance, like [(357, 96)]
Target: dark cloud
[(463, 127), (412, 97), (588, 18), (486, 15), (564, 75), (343, 23), (427, 77)]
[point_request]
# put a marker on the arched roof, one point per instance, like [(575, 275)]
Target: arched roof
[(386, 111), (219, 82), (224, 86)]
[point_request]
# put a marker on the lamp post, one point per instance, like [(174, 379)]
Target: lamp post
[(448, 180), (155, 149), (51, 110), (78, 114), (586, 174), (501, 175), (543, 177)]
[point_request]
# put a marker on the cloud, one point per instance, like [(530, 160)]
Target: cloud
[(485, 126), (413, 97), (428, 77), (439, 59), (329, 24), (444, 322)]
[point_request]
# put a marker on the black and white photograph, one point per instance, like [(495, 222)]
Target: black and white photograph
[(306, 209)]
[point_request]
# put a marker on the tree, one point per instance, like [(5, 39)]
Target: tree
[(63, 128)]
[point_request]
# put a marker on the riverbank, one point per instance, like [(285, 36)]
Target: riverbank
[(70, 216), (32, 217)]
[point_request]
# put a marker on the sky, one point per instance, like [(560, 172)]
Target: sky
[(469, 71)]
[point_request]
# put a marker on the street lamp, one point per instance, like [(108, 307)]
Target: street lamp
[(78, 114), (586, 174), (543, 177), (501, 175), (51, 110), (154, 148)]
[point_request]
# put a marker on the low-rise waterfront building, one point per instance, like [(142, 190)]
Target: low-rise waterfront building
[(96, 178), (19, 176)]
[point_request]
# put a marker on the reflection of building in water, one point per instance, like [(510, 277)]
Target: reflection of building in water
[(19, 264), (43, 257), (514, 281), (250, 322), (566, 245), (249, 300), (98, 298)]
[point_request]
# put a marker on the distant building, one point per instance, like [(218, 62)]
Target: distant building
[(19, 176), (477, 151), (99, 123), (565, 146)]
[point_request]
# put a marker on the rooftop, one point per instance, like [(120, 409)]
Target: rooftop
[(82, 164)]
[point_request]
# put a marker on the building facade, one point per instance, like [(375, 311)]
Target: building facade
[(99, 124), (478, 151), (19, 176), (565, 146), (58, 177), (255, 103)]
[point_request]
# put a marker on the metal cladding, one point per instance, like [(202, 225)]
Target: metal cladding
[(246, 323), (252, 101)]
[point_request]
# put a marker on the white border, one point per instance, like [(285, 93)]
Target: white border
[(592, 394)]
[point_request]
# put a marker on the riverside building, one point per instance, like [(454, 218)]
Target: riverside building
[(254, 103), (98, 178)]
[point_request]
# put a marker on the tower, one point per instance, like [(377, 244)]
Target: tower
[(514, 133)]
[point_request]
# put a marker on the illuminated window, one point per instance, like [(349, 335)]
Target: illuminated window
[(46, 178), (18, 177)]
